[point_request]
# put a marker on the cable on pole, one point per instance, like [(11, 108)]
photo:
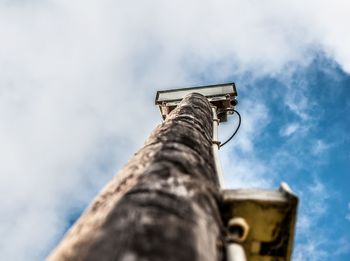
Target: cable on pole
[(236, 130)]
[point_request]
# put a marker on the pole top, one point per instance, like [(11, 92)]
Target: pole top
[(222, 96)]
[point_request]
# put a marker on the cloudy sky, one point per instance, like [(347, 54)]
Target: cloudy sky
[(77, 83)]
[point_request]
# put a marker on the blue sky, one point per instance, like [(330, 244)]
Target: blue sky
[(310, 152), (74, 76)]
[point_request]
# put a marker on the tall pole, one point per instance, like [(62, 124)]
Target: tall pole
[(163, 205)]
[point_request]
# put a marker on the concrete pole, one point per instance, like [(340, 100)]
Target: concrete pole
[(163, 205)]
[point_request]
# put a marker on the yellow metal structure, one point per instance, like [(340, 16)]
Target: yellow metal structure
[(271, 217)]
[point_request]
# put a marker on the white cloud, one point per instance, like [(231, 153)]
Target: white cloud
[(241, 166), (297, 101), (289, 129), (312, 251), (343, 246), (320, 147), (348, 215), (77, 80), (313, 205)]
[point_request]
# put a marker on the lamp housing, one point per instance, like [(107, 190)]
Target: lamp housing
[(222, 96)]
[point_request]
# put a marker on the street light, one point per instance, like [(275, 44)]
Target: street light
[(221, 96)]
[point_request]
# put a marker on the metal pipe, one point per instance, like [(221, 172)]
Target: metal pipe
[(216, 147), (235, 252)]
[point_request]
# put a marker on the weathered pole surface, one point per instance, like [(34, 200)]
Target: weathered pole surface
[(163, 205)]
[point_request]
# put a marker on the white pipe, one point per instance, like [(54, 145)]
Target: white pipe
[(235, 252), (215, 148)]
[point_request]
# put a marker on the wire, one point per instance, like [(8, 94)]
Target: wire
[(234, 133)]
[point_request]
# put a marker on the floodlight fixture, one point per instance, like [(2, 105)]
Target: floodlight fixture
[(222, 96), (270, 216)]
